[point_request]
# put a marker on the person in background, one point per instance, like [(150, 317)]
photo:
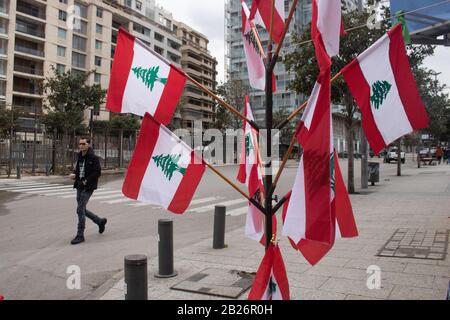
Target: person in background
[(439, 154), (87, 172)]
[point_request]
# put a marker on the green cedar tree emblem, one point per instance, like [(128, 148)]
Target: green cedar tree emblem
[(248, 144), (333, 178), (149, 76), (169, 164), (380, 90), (272, 286)]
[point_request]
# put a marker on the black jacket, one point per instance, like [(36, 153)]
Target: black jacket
[(92, 171)]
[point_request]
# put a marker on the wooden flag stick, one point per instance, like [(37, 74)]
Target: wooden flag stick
[(235, 187), (258, 40), (220, 101), (272, 13)]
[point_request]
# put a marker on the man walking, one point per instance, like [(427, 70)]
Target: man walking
[(87, 172)]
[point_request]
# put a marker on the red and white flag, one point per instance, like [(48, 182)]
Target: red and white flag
[(254, 57), (271, 282), (326, 27), (250, 173), (319, 197), (142, 81), (261, 12), (163, 170), (381, 81)]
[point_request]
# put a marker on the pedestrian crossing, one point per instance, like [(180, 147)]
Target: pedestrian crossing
[(109, 196)]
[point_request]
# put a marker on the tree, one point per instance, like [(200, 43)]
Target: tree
[(233, 92), (8, 118), (304, 64), (67, 96)]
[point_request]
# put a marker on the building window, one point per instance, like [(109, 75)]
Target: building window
[(63, 1), (128, 3), (159, 50), (97, 77), (62, 34), (158, 37), (81, 9), (79, 43), (61, 51), (98, 45), (62, 15), (98, 28), (78, 60), (80, 26), (98, 61), (138, 5), (99, 12), (60, 68)]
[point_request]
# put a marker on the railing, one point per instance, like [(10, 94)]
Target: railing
[(30, 11), (26, 89), (29, 29), (30, 70), (29, 50)]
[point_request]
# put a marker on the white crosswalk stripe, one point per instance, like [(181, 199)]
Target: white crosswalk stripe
[(52, 190), (109, 196), (118, 201), (211, 206), (47, 187), (20, 187), (237, 212), (25, 184)]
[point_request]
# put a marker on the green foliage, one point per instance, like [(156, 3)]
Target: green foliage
[(148, 76), (169, 164), (67, 96), (9, 118), (380, 90), (233, 92)]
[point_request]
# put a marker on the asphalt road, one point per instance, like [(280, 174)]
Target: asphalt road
[(37, 223)]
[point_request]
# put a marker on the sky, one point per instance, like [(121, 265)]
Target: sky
[(207, 17)]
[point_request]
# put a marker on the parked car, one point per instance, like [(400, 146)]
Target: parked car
[(391, 155)]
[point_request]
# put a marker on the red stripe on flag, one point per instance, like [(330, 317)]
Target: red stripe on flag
[(148, 136), (265, 10), (186, 189), (360, 90), (323, 59), (123, 60), (406, 84), (279, 272), (173, 90), (262, 276)]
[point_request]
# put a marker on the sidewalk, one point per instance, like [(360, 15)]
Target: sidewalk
[(418, 200)]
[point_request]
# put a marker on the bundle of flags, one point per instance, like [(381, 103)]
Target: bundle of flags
[(166, 172)]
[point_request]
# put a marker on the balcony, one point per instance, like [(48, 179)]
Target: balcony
[(27, 50), (30, 10), (27, 86), (29, 70), (28, 28)]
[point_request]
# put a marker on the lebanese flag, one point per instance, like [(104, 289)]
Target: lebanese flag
[(326, 28), (344, 225), (381, 81), (163, 170), (261, 12), (250, 173), (271, 282), (143, 81), (253, 56), (309, 215)]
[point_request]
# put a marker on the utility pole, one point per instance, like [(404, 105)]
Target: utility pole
[(399, 158), (10, 142)]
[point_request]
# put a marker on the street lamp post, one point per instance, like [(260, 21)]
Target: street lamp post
[(91, 123)]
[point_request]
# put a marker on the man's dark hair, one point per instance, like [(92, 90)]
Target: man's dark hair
[(88, 139)]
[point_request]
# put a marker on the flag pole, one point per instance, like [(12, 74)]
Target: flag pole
[(299, 109), (270, 65), (235, 187), (220, 101)]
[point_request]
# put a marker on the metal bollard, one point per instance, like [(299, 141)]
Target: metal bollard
[(219, 227), (136, 284), (18, 171), (165, 249)]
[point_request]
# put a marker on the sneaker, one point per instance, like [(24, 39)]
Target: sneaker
[(101, 225), (77, 240)]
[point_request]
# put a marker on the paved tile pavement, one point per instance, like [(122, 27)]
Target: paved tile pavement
[(417, 201)]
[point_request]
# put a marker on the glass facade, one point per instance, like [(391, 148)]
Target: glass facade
[(236, 67)]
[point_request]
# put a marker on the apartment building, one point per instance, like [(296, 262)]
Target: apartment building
[(66, 34), (200, 65)]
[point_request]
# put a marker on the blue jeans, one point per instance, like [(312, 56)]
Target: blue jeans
[(82, 200)]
